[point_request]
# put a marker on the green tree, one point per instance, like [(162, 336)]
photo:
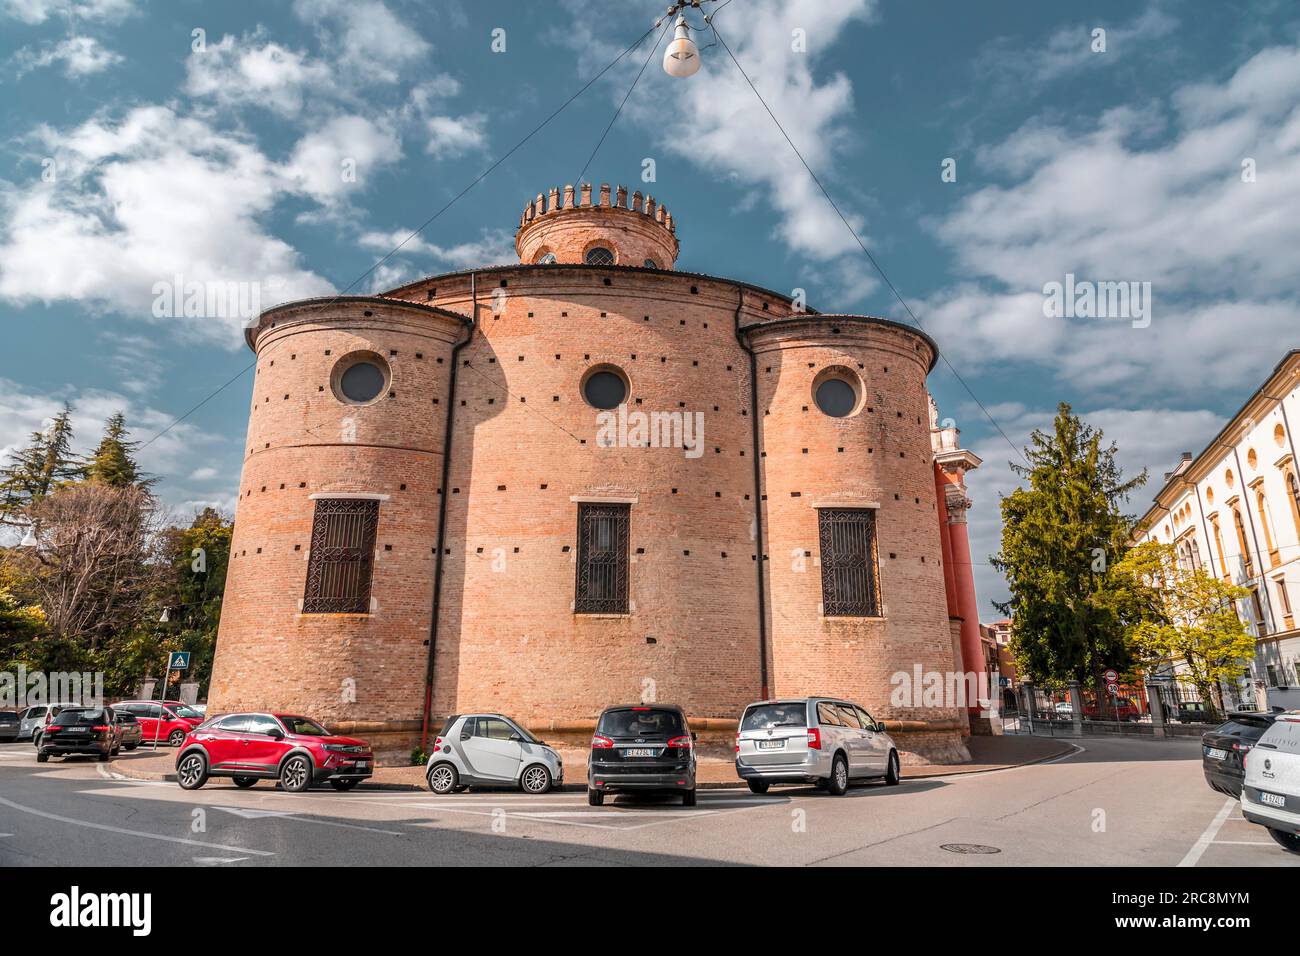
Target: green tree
[(1192, 618), (34, 471), (1062, 532), (112, 462)]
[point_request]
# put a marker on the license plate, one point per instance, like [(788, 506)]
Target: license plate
[(638, 752), (771, 744), (1272, 799), (362, 764), (1214, 753)]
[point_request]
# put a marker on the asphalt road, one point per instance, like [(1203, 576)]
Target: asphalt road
[(1116, 802)]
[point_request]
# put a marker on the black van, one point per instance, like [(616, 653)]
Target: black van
[(641, 747)]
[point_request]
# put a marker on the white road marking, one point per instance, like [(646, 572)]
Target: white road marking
[(217, 860), (292, 815), (1203, 842), (1242, 842), (135, 833)]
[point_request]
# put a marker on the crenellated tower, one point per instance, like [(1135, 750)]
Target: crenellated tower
[(567, 226)]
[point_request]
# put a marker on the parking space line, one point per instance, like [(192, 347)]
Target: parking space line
[(1203, 842), (125, 832)]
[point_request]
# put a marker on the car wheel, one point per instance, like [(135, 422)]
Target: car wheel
[(535, 779), (688, 798), (103, 758), (344, 783), (758, 786), (176, 738), (595, 797), (131, 746), (295, 774), (36, 741), (838, 783), (443, 778), (192, 772), (892, 775), (243, 783), (42, 758), (1287, 841)]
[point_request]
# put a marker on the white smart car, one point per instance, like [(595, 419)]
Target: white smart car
[(1270, 795), (491, 750)]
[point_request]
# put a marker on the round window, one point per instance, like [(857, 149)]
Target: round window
[(360, 378), (836, 397), (604, 388), (599, 256)]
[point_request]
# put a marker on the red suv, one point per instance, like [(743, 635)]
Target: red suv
[(295, 750), (168, 720), (1116, 708)]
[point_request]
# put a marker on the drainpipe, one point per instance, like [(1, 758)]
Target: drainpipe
[(758, 495), (444, 494)]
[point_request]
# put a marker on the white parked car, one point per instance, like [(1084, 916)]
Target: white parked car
[(491, 750), (33, 721), (1270, 795)]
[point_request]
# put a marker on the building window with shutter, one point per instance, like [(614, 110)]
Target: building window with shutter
[(850, 572), (602, 559), (342, 556)]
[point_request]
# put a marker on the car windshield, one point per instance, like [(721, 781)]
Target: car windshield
[(1247, 728), (761, 716), (641, 722), (182, 710), (304, 726), (80, 716)]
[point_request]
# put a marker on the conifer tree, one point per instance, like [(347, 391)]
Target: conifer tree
[(34, 471)]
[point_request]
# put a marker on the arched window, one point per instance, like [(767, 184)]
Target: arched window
[(1196, 555), (1262, 508), (1293, 492), (599, 256), (1218, 544), (1241, 542)]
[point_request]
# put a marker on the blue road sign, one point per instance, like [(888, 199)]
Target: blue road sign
[(179, 661)]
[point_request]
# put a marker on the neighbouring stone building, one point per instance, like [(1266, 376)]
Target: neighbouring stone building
[(586, 479), (1235, 509)]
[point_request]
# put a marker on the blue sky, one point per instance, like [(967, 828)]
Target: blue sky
[(223, 164)]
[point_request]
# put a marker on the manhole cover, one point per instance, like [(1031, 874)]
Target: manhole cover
[(968, 848)]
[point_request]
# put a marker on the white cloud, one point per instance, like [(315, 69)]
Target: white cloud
[(38, 11), (454, 135), (79, 55), (364, 37), (1112, 204), (340, 155), (417, 256), (254, 71), (142, 201)]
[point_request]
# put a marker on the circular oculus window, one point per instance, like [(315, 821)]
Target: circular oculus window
[(836, 392), (360, 378), (605, 388)]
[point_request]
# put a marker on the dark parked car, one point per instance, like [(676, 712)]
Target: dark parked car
[(129, 728), (293, 749), (80, 730), (1192, 712), (641, 748), (1224, 749), (8, 725)]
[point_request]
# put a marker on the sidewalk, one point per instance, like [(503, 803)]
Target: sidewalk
[(987, 753)]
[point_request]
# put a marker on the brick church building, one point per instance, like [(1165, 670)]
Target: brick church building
[(591, 478)]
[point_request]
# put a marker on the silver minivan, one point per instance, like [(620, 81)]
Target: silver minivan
[(491, 750), (820, 740)]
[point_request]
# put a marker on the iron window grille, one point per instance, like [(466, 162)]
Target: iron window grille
[(342, 556), (602, 559), (599, 256), (850, 570)]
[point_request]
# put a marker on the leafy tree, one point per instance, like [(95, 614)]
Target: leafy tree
[(1193, 617), (33, 472), (1062, 531), (112, 462)]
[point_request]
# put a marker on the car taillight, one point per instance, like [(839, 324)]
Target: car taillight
[(737, 743), (601, 743), (682, 741), (101, 729), (814, 738), (437, 742)]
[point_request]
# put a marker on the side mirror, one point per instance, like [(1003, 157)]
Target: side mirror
[(880, 726), (694, 736), (275, 733), (516, 738)]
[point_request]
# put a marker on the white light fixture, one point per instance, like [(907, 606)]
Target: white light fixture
[(165, 616), (682, 58), (29, 539)]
